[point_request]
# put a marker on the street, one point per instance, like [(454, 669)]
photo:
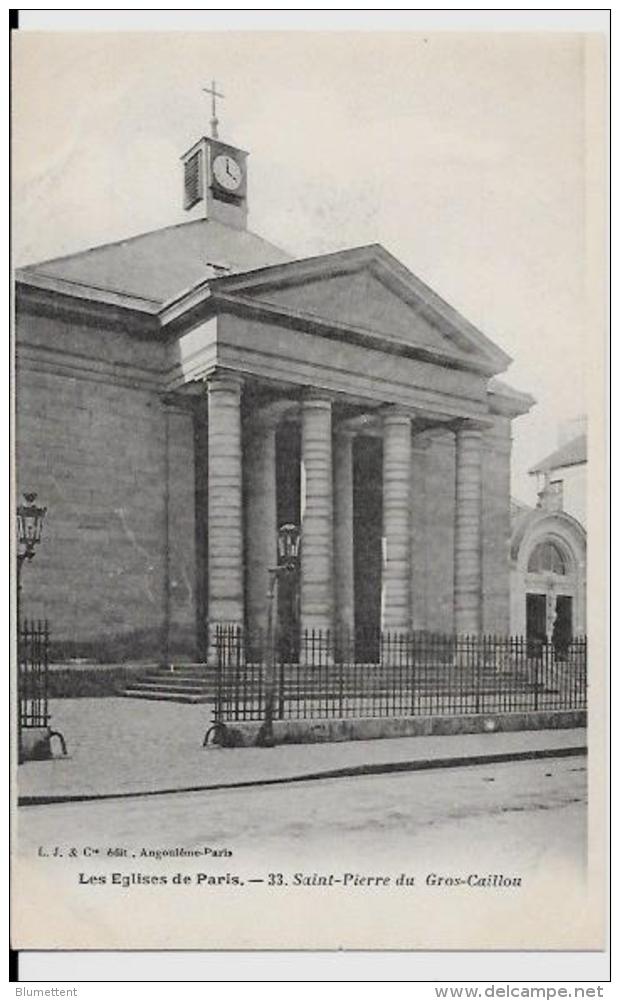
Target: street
[(525, 814)]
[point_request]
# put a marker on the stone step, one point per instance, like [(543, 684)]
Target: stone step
[(185, 671), (142, 685), (198, 683), (168, 696), (189, 683), (174, 681)]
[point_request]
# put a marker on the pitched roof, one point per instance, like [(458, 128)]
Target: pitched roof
[(159, 265), (572, 453)]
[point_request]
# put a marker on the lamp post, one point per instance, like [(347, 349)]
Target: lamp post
[(29, 531), (289, 538)]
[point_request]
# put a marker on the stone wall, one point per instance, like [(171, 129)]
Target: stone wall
[(91, 440)]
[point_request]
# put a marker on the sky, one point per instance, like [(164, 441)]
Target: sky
[(467, 155)]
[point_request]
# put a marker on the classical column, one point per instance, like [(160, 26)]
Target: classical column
[(396, 579), (316, 587), (343, 531), (261, 518), (225, 515), (419, 531), (467, 530)]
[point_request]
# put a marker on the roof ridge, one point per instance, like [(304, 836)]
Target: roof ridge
[(104, 246), (563, 450), (36, 265)]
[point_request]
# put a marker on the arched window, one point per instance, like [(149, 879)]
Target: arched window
[(547, 558)]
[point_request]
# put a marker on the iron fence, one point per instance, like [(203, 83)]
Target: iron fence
[(32, 679), (409, 674)]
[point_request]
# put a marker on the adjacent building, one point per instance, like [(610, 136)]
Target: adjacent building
[(548, 549)]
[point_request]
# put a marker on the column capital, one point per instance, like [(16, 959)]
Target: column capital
[(464, 424), (316, 400), (222, 379), (395, 415)]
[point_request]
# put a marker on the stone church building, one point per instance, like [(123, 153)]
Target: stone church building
[(183, 393)]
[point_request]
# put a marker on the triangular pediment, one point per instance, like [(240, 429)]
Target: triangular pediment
[(368, 293), (362, 301)]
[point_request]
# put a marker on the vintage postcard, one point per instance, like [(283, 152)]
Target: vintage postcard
[(310, 342)]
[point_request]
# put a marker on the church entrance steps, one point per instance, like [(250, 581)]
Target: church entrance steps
[(189, 683), (198, 684)]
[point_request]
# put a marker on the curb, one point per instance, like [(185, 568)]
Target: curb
[(419, 764)]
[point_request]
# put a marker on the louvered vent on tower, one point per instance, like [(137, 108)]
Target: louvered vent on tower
[(193, 179)]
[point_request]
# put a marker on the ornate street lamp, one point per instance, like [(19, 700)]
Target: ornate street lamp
[(289, 539), (29, 530)]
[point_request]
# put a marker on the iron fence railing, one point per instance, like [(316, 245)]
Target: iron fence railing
[(32, 680), (395, 674)]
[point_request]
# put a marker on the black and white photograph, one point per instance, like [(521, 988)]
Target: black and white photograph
[(309, 480)]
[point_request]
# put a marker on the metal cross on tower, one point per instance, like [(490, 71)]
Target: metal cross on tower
[(214, 95)]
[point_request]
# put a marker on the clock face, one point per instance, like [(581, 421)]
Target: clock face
[(227, 172)]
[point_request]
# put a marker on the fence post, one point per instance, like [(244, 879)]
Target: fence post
[(281, 679), (218, 687), (474, 650), (537, 674)]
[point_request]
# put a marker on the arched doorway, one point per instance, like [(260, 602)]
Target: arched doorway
[(548, 579)]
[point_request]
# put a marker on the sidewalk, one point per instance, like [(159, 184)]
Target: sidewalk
[(122, 746)]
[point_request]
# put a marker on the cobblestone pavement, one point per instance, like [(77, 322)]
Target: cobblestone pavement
[(118, 745)]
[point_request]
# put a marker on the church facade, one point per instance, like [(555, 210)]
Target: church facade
[(183, 393)]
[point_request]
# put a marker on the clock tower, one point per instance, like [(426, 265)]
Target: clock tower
[(215, 182)]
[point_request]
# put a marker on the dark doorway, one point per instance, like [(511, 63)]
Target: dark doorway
[(367, 533), (563, 626), (288, 501), (535, 623)]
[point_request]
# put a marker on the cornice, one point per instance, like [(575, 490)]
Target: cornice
[(250, 308), (83, 290), (90, 312), (56, 361)]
